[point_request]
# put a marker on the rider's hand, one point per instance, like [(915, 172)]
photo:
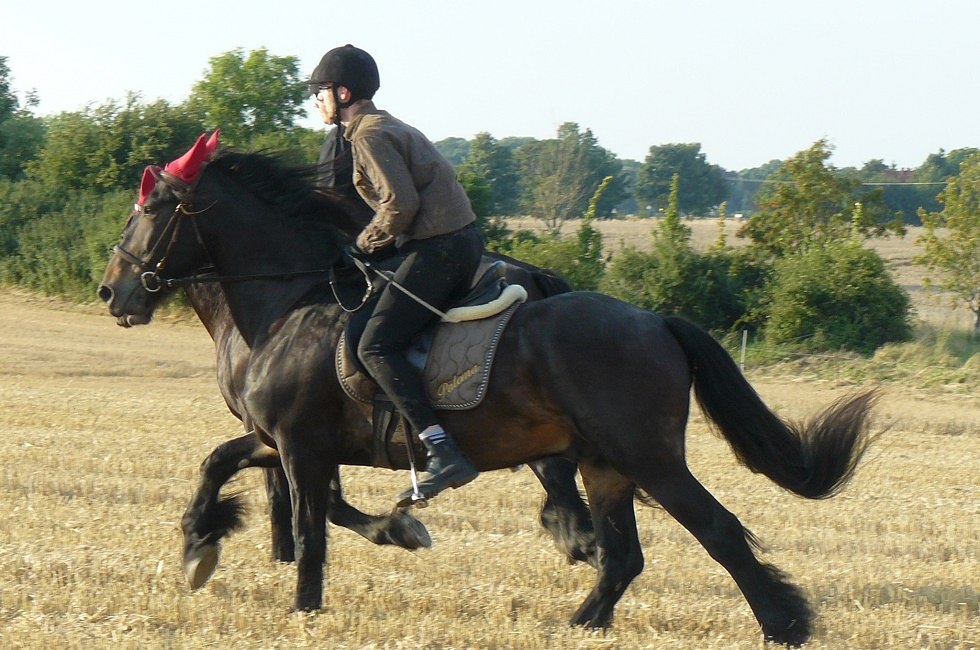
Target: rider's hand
[(377, 257), (357, 254)]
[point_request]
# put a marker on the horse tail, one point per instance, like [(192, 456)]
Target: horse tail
[(813, 459)]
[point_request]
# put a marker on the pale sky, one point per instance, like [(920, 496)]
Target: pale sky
[(751, 80)]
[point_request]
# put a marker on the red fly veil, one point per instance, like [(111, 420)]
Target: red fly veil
[(186, 168)]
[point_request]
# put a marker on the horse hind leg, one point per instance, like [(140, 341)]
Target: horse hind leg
[(619, 557), (564, 515), (779, 606)]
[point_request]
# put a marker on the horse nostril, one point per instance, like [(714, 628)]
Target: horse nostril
[(105, 293)]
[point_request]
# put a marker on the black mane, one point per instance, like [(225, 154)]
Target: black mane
[(290, 190)]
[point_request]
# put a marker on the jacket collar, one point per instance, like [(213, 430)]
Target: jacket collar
[(367, 109)]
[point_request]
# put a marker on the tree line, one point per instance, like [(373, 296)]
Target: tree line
[(65, 181)]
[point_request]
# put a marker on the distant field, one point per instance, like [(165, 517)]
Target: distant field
[(931, 307), (102, 431)]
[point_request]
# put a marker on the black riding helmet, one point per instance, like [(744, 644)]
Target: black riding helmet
[(347, 66)]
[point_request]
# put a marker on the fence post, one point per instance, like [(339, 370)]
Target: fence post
[(745, 340)]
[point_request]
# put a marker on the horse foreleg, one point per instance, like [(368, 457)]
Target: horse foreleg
[(207, 519), (398, 528), (564, 514), (309, 480), (620, 558), (280, 514), (780, 607)]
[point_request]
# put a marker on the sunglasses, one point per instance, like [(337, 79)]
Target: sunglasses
[(316, 87)]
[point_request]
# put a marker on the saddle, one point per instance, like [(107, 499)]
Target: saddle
[(454, 356)]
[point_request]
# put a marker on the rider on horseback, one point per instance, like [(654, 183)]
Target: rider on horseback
[(420, 209)]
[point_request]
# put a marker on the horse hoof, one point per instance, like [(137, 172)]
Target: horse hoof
[(408, 532), (199, 565)]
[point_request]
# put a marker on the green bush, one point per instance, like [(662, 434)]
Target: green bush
[(577, 259), (20, 202), (834, 296), (64, 252), (716, 290)]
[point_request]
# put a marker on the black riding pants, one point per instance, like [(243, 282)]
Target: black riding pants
[(437, 270)]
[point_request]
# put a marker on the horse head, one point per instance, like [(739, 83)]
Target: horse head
[(155, 244), (261, 225)]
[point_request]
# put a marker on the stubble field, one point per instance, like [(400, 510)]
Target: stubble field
[(102, 431)]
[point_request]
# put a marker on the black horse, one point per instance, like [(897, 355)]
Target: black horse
[(578, 374), (208, 518)]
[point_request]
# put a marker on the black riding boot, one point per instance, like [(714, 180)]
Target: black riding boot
[(447, 467)]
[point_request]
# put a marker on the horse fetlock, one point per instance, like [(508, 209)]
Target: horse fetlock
[(793, 636), (308, 601), (593, 616)]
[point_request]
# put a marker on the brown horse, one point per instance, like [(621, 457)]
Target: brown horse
[(578, 374)]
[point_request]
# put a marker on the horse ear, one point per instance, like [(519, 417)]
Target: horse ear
[(148, 183), (188, 166), (212, 144)]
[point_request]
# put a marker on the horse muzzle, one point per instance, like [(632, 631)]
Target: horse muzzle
[(129, 307)]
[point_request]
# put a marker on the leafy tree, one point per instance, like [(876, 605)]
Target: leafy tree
[(942, 165), (578, 259), (21, 138), (808, 202), (743, 186), (702, 185), (902, 190), (628, 205), (454, 149), (558, 176), (106, 147), (495, 164), (21, 133), (515, 142), (8, 100), (247, 96), (955, 257), (478, 190), (298, 146), (836, 295)]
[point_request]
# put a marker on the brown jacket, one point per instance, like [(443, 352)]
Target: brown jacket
[(410, 186)]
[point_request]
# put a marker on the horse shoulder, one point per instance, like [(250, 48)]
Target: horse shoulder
[(294, 365)]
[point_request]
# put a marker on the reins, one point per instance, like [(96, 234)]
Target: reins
[(209, 277), (201, 278)]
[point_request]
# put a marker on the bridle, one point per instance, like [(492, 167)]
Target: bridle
[(152, 281)]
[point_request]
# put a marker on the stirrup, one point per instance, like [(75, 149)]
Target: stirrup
[(414, 499)]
